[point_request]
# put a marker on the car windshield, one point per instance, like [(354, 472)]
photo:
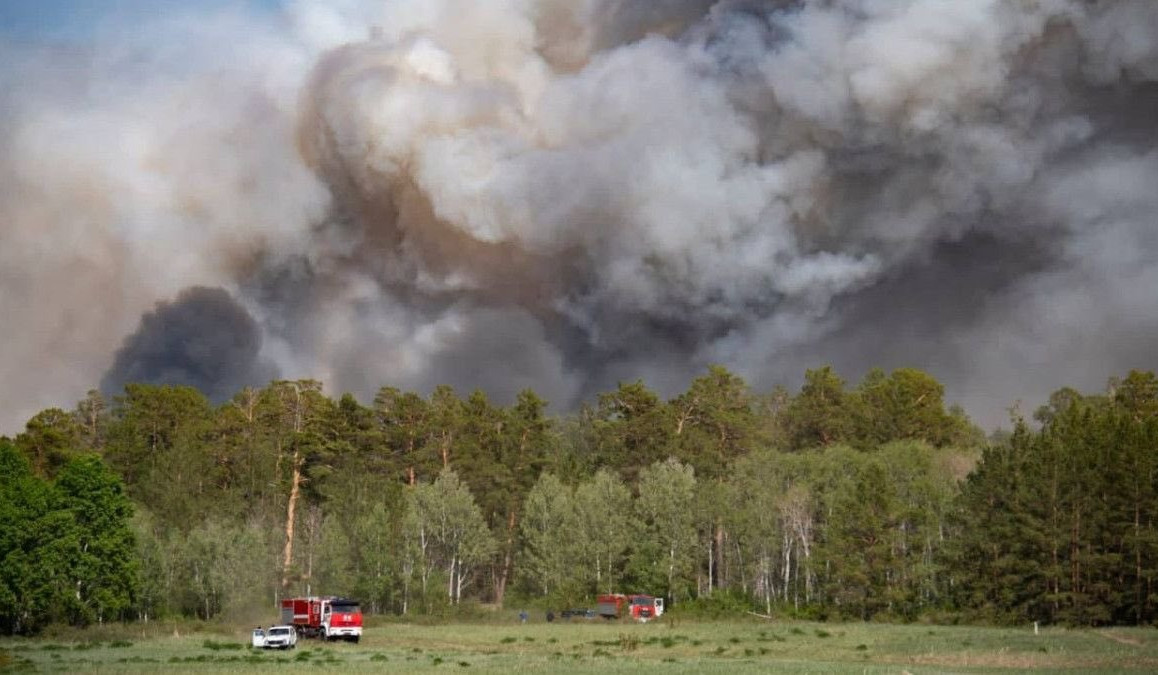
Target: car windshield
[(279, 631)]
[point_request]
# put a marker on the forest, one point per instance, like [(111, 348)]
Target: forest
[(872, 501)]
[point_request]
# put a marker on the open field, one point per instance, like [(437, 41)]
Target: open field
[(589, 646)]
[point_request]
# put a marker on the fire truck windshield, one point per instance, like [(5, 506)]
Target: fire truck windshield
[(345, 608)]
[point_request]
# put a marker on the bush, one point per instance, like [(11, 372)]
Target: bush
[(218, 646), (719, 605)]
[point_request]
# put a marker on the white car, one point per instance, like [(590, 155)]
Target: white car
[(258, 638), (279, 637)]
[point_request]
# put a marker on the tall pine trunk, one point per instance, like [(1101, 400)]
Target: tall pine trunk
[(508, 559), (290, 514)]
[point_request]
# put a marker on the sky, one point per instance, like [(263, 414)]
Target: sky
[(568, 194), (79, 19)]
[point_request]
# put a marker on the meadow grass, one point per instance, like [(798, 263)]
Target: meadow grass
[(668, 646)]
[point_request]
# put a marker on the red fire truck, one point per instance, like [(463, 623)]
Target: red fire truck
[(638, 607), (329, 617)]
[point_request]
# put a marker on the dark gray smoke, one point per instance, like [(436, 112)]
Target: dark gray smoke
[(562, 194), (203, 339)]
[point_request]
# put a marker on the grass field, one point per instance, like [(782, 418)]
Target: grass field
[(596, 646)]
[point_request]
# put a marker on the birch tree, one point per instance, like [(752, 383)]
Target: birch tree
[(603, 509), (449, 530), (667, 493), (549, 536)]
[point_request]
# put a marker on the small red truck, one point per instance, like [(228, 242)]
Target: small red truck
[(328, 617), (639, 607)]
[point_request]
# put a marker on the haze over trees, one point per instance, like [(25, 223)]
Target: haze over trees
[(873, 501)]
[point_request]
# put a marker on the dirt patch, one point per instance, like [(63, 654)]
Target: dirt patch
[(988, 660), (1015, 661), (1120, 639)]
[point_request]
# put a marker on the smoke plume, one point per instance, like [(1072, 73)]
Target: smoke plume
[(203, 339), (562, 194)]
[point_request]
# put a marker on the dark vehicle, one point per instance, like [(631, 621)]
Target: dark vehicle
[(579, 614)]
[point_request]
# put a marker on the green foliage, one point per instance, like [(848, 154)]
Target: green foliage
[(664, 545), (28, 563), (158, 442), (906, 405), (575, 540), (405, 427), (872, 502), (1058, 525), (66, 550), (50, 439), (719, 605), (631, 428), (550, 545), (219, 568), (714, 422), (102, 566), (603, 531), (823, 413), (447, 530)]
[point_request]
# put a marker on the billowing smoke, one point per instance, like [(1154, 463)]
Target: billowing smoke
[(562, 194), (202, 339)]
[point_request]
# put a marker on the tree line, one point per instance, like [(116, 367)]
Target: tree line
[(873, 501)]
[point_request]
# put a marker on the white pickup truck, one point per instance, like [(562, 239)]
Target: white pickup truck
[(275, 637)]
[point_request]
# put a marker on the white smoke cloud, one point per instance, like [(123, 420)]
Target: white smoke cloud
[(564, 194), (134, 167)]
